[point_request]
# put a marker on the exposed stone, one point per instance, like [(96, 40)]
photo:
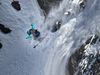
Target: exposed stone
[(56, 26), (93, 41), (82, 3), (47, 4), (75, 59), (79, 55), (1, 45), (4, 29), (16, 5)]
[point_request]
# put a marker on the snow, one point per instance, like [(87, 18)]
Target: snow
[(18, 57)]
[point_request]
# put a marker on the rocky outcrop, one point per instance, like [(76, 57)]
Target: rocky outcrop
[(16, 5), (47, 4), (92, 67), (1, 45), (56, 26), (4, 29)]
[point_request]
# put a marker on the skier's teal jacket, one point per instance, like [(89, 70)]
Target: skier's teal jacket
[(33, 27)]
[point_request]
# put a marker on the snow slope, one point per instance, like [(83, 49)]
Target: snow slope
[(18, 57)]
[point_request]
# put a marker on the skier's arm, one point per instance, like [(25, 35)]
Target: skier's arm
[(29, 36)]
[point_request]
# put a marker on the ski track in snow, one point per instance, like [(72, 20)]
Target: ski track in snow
[(18, 57)]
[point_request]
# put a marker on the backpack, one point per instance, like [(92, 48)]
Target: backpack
[(36, 33)]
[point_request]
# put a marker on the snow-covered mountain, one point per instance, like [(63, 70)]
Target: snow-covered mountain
[(70, 37)]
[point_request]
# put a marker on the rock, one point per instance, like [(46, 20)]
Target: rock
[(75, 59), (93, 41), (82, 4), (1, 26), (79, 55), (56, 26), (1, 45), (16, 5), (4, 29), (46, 5)]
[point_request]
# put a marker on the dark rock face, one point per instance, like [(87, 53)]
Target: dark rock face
[(47, 4), (95, 67), (75, 59), (82, 4), (4, 29), (1, 45), (93, 41), (79, 55), (56, 26), (16, 5)]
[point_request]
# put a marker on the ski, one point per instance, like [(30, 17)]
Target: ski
[(36, 45), (39, 41)]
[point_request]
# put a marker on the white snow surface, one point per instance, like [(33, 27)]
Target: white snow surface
[(50, 57)]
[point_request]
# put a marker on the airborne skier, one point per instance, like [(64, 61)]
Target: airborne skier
[(33, 32)]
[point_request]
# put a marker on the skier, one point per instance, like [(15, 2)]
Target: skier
[(33, 32)]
